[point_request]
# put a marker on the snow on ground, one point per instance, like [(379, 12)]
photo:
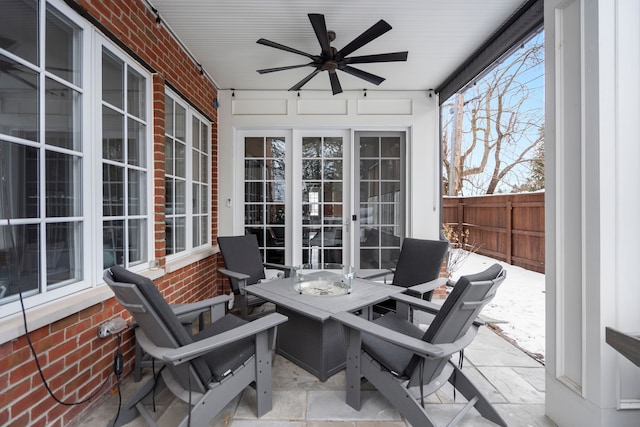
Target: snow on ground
[(519, 302)]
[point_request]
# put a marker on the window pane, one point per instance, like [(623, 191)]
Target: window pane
[(180, 234), (204, 138), (168, 196), (63, 118), (137, 241), (168, 161), (180, 197), (333, 169), (275, 147), (333, 147), (369, 147), (195, 191), (26, 272), (136, 94), (136, 143), (113, 243), (64, 253), (311, 147), (204, 229), (22, 166), (168, 115), (390, 146), (113, 190), (195, 165), (19, 28), (195, 133), (180, 160), (137, 192), (169, 232), (63, 47), (19, 95), (112, 79), (311, 169), (112, 134), (180, 122), (205, 199), (63, 185), (254, 147)]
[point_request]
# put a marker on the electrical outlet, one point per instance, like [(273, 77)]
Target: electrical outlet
[(112, 326)]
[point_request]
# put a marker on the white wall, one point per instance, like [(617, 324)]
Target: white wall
[(414, 112), (593, 199)]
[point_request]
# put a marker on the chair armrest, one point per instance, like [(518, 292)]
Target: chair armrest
[(416, 303), (423, 288), (427, 306), (417, 346), (286, 268), (200, 306), (378, 274), (234, 274), (185, 353)]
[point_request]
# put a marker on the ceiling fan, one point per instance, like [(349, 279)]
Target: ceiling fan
[(331, 59)]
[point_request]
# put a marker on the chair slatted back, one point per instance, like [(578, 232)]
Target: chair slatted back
[(242, 254), (470, 294), (143, 300)]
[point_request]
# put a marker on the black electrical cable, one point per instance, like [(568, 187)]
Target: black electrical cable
[(117, 370), (44, 380)]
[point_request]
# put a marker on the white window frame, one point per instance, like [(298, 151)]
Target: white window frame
[(90, 289), (190, 113)]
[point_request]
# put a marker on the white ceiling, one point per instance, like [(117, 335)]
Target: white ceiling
[(439, 35)]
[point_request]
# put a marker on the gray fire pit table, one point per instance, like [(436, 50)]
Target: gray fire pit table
[(311, 339)]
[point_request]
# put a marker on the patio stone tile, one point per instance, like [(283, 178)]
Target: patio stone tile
[(525, 415), (512, 386), (535, 376), (266, 423), (287, 405), (287, 375), (493, 350), (443, 414), (331, 405)]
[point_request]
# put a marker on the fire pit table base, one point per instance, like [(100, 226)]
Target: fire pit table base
[(317, 346)]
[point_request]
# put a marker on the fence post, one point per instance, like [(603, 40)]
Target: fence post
[(461, 217), (509, 230)]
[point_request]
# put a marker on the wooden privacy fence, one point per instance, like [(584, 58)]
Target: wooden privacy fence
[(507, 227)]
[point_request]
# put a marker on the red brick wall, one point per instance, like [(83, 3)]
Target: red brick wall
[(74, 360)]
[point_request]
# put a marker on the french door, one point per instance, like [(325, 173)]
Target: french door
[(312, 198)]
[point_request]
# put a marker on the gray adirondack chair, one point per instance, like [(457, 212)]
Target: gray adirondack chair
[(418, 269), (206, 370), (244, 267), (406, 363)]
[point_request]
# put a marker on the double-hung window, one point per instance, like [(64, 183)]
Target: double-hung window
[(187, 177), (74, 155)]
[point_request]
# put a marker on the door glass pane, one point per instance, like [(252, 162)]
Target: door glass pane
[(265, 193), (135, 93), (322, 200), (381, 200)]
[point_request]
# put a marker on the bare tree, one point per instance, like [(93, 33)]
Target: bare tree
[(493, 132)]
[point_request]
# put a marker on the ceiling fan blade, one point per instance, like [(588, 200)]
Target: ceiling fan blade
[(335, 83), (289, 67), (375, 31), (285, 48), (320, 27), (304, 81), (371, 78), (383, 57)]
